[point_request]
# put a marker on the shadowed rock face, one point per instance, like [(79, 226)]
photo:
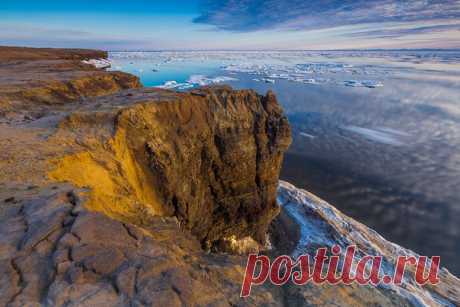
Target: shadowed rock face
[(214, 158)]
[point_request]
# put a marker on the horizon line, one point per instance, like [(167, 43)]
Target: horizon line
[(281, 50)]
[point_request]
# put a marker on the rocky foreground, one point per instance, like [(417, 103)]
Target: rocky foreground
[(112, 194)]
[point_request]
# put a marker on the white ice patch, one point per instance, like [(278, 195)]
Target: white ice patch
[(307, 135), (98, 63), (175, 85), (204, 81), (384, 136), (301, 73), (194, 81), (267, 80), (273, 65), (363, 83)]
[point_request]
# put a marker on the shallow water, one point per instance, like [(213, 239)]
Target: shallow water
[(377, 134)]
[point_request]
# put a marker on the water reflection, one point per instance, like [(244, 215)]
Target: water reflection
[(389, 157)]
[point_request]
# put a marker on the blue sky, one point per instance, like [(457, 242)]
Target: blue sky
[(231, 24)]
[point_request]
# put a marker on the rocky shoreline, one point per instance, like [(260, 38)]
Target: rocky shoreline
[(173, 188)]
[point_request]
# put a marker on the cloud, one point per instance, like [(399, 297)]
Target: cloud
[(253, 15), (24, 35), (404, 31)]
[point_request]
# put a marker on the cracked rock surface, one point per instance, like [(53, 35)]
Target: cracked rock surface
[(56, 253)]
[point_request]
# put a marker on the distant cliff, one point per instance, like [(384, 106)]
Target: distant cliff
[(114, 194)]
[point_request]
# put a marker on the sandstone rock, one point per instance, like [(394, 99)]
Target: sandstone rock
[(97, 261), (211, 160), (32, 54), (32, 77)]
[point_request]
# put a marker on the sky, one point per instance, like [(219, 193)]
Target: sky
[(231, 24)]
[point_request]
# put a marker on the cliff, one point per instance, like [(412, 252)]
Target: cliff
[(211, 158), (30, 78), (169, 187)]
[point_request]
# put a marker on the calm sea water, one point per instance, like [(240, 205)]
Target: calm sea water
[(377, 134)]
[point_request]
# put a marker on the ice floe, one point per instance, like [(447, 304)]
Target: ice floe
[(363, 83), (175, 85), (203, 80), (302, 73), (267, 80), (304, 134), (380, 135), (195, 81), (304, 67)]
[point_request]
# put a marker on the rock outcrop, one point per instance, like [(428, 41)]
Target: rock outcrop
[(210, 157), (112, 194), (322, 225), (31, 78), (54, 252)]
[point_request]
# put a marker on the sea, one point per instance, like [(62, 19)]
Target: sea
[(376, 133)]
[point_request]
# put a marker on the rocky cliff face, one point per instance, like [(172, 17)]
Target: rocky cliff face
[(112, 194), (211, 158), (31, 78)]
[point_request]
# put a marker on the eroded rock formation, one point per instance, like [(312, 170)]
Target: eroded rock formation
[(55, 252), (32, 77), (210, 157)]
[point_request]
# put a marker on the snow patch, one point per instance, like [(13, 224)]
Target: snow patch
[(98, 63), (384, 136)]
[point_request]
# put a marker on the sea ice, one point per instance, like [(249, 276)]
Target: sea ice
[(307, 135), (194, 81), (365, 83), (269, 66), (266, 80), (203, 80), (175, 85), (380, 136)]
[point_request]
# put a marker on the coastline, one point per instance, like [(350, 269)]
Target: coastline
[(75, 107)]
